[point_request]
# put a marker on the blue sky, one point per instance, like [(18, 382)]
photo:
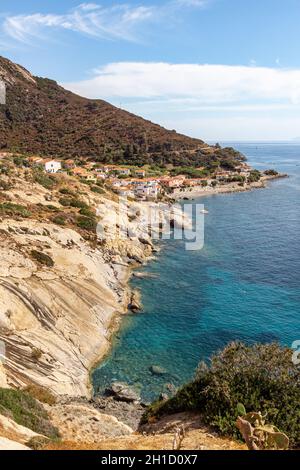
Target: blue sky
[(215, 69)]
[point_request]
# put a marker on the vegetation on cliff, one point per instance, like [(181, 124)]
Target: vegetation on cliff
[(25, 410), (262, 377)]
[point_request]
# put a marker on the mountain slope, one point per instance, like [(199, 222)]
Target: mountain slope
[(42, 117)]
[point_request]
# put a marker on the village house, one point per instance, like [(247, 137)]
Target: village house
[(52, 166), (140, 173), (196, 182), (116, 183), (105, 168), (123, 171), (35, 161), (125, 191), (101, 176), (191, 182), (146, 190), (69, 164), (173, 182), (78, 171), (244, 169)]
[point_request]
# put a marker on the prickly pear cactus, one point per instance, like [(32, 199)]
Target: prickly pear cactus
[(258, 435)]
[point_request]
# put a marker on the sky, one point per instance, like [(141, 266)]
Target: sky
[(214, 69)]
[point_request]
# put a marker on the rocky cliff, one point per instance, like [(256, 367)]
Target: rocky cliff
[(62, 289)]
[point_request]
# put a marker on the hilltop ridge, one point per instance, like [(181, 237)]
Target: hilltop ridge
[(42, 117)]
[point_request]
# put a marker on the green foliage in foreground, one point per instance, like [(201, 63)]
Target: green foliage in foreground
[(262, 377), (11, 209), (26, 411), (254, 176), (46, 181), (87, 223)]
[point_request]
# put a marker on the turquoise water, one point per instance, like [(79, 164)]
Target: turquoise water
[(243, 285)]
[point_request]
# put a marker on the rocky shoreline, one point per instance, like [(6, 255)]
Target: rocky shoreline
[(58, 312), (199, 191)]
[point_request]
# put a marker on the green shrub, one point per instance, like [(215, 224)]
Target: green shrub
[(44, 180), (73, 202), (87, 212), (254, 176), (87, 223), (52, 208), (59, 220), (26, 411), (42, 258), (11, 209), (271, 173), (97, 189), (66, 202), (66, 191), (262, 377)]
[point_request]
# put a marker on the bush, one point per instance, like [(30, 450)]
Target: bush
[(87, 212), (11, 209), (42, 258), (51, 208), (87, 223), (59, 220), (26, 411), (271, 173), (262, 377), (66, 191), (41, 394), (97, 189), (73, 202), (254, 176), (44, 180)]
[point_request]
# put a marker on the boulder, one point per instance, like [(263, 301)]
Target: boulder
[(145, 241), (135, 302), (157, 370), (83, 423), (124, 392), (163, 397)]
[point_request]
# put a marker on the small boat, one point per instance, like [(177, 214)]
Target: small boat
[(204, 211)]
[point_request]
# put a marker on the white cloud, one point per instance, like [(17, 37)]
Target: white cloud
[(88, 18), (208, 84), (208, 101), (118, 21)]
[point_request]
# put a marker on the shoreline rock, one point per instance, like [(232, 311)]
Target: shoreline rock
[(123, 392), (135, 304), (157, 370)]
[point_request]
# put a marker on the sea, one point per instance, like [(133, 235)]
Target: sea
[(243, 285)]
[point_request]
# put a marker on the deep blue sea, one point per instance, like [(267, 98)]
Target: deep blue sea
[(243, 285)]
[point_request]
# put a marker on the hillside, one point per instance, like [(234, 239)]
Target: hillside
[(43, 118)]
